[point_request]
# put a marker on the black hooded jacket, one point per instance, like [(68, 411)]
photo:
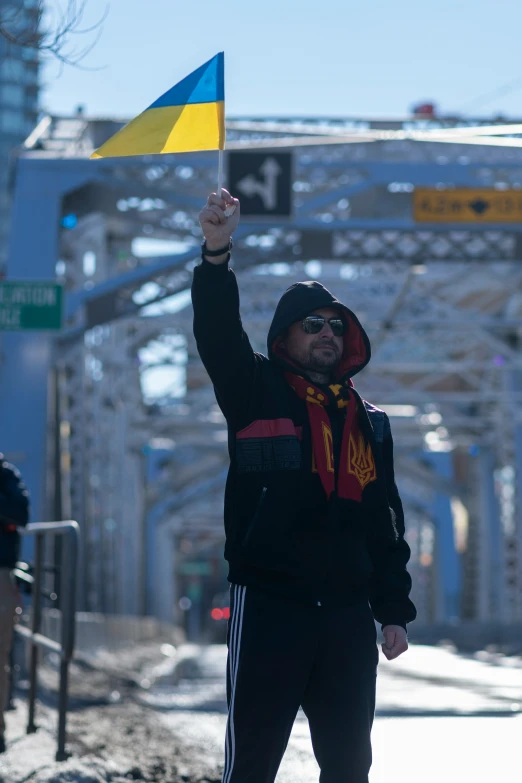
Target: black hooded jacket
[(282, 534), (14, 512)]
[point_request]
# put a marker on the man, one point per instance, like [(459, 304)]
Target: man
[(14, 512), (313, 519)]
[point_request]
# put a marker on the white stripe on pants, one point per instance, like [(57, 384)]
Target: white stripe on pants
[(236, 626)]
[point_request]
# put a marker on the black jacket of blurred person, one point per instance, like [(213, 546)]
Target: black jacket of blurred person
[(14, 512)]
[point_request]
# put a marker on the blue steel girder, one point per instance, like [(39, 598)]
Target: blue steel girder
[(60, 176), (416, 174)]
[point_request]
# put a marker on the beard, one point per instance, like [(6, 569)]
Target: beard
[(318, 359)]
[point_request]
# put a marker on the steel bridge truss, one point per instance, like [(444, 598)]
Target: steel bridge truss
[(442, 305)]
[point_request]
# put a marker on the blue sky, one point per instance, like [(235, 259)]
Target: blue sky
[(327, 57)]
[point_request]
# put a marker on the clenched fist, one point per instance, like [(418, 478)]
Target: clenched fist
[(216, 226), (396, 641)]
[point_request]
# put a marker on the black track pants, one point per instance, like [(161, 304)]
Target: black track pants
[(283, 655)]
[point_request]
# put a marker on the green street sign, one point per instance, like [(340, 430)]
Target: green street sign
[(30, 305)]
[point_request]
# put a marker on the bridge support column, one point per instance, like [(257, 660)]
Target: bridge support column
[(27, 356), (448, 579), (516, 385), (490, 581)]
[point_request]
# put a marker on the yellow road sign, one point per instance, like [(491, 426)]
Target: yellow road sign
[(467, 205)]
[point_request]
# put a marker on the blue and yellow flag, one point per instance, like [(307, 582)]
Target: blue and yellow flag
[(188, 117)]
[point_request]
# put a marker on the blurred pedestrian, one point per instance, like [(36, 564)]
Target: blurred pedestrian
[(314, 522), (14, 513)]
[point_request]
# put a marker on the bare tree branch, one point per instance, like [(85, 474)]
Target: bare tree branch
[(50, 27)]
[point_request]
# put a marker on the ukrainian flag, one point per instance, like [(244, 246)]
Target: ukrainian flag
[(189, 117)]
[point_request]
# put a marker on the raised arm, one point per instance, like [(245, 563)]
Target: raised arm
[(222, 343)]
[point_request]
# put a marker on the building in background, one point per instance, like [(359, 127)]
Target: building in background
[(19, 88)]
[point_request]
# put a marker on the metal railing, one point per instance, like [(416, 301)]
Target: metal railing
[(67, 602)]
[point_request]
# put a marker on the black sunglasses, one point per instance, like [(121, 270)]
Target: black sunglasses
[(313, 324)]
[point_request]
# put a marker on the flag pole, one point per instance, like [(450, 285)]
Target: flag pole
[(221, 156), (220, 172), (221, 169)]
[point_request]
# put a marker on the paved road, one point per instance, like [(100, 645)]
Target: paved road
[(440, 717)]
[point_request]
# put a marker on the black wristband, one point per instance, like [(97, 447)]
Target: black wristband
[(214, 253)]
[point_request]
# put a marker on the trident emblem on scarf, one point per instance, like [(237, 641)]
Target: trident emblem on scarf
[(360, 461)]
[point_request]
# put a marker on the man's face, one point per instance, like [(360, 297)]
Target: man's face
[(314, 352)]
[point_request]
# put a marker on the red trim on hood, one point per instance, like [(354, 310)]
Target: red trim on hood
[(354, 351)]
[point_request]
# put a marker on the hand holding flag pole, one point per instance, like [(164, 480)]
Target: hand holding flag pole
[(187, 118)]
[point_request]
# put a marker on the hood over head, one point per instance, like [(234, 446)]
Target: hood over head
[(300, 300)]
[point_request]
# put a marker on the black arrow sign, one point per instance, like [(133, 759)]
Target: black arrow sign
[(479, 206)]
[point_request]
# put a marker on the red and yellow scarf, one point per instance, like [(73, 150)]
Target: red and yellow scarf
[(357, 464)]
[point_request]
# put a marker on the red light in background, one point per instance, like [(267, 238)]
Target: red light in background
[(216, 614), (226, 613)]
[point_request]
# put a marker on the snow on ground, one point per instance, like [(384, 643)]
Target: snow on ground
[(31, 757), (447, 712), (113, 743)]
